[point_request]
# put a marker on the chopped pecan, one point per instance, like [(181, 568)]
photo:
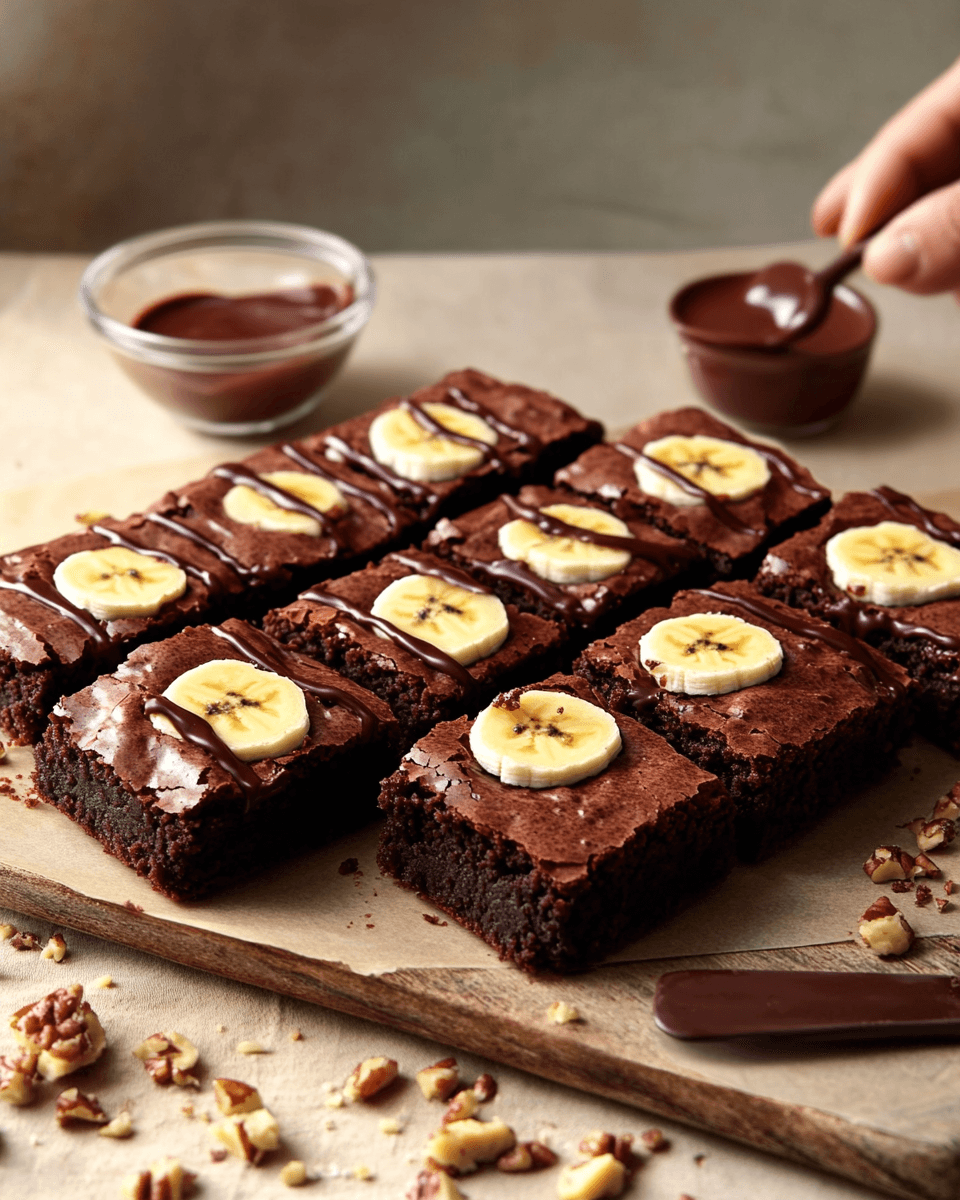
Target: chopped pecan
[(369, 1077), (168, 1058), (233, 1097), (18, 1074), (440, 1081), (74, 1105), (248, 1135), (884, 930), (63, 1029), (56, 948), (25, 941)]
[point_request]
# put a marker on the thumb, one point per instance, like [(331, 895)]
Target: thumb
[(919, 250)]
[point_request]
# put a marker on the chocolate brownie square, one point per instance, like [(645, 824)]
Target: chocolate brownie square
[(180, 807), (923, 638), (421, 683), (534, 434), (732, 534), (829, 721), (554, 878), (653, 563)]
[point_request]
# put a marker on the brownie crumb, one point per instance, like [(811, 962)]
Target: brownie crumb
[(433, 920), (348, 866), (138, 908)]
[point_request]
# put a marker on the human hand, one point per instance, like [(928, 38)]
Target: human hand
[(908, 176)]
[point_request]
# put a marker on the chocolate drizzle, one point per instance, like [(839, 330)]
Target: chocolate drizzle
[(188, 568), (368, 495), (196, 730), (861, 622), (797, 622), (654, 552), (241, 476), (431, 425), (269, 657), (444, 571), (363, 462), (46, 594), (191, 535), (906, 509), (720, 511), (782, 463), (567, 605), (435, 658), (466, 403)]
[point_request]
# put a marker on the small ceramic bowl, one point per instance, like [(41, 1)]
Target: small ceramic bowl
[(245, 386), (797, 391)]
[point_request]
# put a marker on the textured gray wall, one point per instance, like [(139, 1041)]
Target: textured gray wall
[(447, 124)]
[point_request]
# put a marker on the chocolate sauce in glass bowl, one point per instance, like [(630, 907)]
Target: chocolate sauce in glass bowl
[(799, 388), (258, 393)]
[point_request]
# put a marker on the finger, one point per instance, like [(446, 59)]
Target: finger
[(919, 250), (828, 207), (916, 151)]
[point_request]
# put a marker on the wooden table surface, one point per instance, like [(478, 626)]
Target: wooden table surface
[(592, 329)]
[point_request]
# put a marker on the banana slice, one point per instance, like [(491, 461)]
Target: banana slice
[(727, 469), (466, 625), (566, 559), (894, 564), (115, 582), (250, 507), (400, 442), (256, 713), (709, 654), (548, 739)]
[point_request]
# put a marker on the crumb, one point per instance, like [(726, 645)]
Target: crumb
[(942, 903), (560, 1013), (699, 1159), (334, 1100), (251, 1048), (221, 1029), (104, 981), (293, 1173), (6, 932), (296, 1036), (370, 925), (348, 866), (390, 1125), (432, 920), (923, 895), (362, 1171), (187, 1110), (25, 941), (218, 1155), (129, 904), (329, 1124), (950, 887), (901, 885), (654, 1140)]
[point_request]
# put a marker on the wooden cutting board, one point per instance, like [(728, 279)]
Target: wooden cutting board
[(882, 1115)]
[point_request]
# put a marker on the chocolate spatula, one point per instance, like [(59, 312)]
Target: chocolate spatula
[(723, 1005)]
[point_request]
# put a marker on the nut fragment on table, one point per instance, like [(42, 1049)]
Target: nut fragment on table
[(884, 930), (440, 1081), (165, 1180), (22, 940), (924, 895), (464, 1104), (168, 1058), (464, 1145), (56, 948), (248, 1135), (63, 1029), (369, 1077), (561, 1013), (293, 1173), (889, 862), (654, 1140), (433, 1185), (924, 867), (526, 1156), (933, 833), (74, 1105), (7, 932), (120, 1127), (18, 1074), (249, 1047), (485, 1087), (594, 1179), (949, 805), (232, 1096)]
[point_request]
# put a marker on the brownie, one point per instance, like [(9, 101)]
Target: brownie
[(537, 433), (555, 878), (421, 687), (657, 566), (191, 818), (48, 646), (733, 535), (827, 724), (924, 639)]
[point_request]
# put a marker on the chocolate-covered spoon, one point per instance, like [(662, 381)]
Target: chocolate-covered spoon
[(767, 309)]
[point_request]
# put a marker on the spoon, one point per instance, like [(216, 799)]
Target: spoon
[(772, 307)]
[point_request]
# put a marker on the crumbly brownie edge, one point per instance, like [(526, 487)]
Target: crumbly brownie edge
[(489, 884)]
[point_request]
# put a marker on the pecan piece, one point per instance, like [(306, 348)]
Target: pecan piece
[(63, 1029)]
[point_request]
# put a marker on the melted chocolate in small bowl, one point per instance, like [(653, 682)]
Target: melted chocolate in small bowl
[(795, 390), (251, 349)]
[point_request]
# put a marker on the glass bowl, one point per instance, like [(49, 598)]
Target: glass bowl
[(246, 385)]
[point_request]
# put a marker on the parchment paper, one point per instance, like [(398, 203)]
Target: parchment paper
[(810, 894)]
